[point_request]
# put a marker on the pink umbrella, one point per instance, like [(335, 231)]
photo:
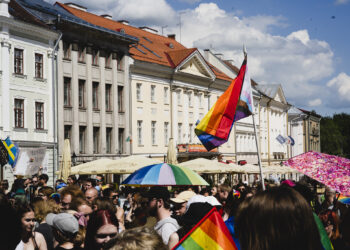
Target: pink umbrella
[(331, 170)]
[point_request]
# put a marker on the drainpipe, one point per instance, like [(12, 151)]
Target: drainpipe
[(54, 106)]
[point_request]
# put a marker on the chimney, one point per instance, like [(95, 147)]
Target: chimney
[(124, 22), (107, 16), (149, 29), (4, 8), (76, 6), (172, 36)]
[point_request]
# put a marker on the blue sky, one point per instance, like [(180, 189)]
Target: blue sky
[(302, 45)]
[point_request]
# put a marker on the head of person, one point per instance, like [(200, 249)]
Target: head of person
[(27, 217), (330, 221), (82, 206), (67, 195), (158, 200), (45, 192), (72, 180), (223, 191), (65, 227), (180, 202), (111, 194), (99, 179), (137, 238), (4, 185), (89, 183), (278, 218), (91, 194), (43, 179), (214, 190), (329, 195), (103, 203), (102, 227), (42, 208)]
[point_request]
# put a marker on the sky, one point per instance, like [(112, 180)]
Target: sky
[(302, 45)]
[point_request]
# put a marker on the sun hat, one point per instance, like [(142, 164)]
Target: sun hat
[(183, 197)]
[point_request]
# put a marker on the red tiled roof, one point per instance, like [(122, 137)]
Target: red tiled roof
[(151, 48)]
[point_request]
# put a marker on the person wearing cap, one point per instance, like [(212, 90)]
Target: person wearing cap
[(65, 228), (159, 207), (180, 202)]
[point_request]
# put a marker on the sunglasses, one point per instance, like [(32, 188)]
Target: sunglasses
[(30, 220), (115, 197), (102, 236)]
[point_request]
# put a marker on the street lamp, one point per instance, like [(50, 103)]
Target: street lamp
[(74, 159)]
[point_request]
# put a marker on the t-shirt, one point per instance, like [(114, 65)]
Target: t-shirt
[(166, 227), (46, 230)]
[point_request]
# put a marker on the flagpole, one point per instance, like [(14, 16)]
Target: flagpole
[(258, 153)]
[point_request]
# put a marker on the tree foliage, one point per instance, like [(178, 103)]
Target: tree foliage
[(335, 135)]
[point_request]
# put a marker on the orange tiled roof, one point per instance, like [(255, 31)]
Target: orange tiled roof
[(151, 48)]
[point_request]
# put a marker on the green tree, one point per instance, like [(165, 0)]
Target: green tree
[(331, 137)]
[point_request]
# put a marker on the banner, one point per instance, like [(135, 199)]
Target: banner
[(30, 160)]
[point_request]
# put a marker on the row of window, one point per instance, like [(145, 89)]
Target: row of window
[(67, 95), (96, 139), (166, 133), (19, 114), (166, 95), (95, 56), (19, 64)]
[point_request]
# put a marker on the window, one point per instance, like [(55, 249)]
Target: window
[(120, 99), (81, 93), (66, 50), (95, 57), (178, 97), (67, 132), (67, 92), (39, 65), (121, 140), (138, 91), (166, 95), (39, 115), (96, 139), (189, 96), (108, 90), (190, 134), (82, 130), (19, 113), (153, 90), (95, 95), (19, 61), (153, 132), (179, 133), (108, 61), (108, 140), (139, 132), (81, 54), (120, 63), (166, 133)]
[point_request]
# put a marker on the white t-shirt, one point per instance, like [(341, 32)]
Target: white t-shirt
[(166, 227)]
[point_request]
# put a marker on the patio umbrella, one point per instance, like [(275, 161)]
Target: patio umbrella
[(331, 170), (202, 165), (164, 174), (91, 167), (66, 161), (171, 153)]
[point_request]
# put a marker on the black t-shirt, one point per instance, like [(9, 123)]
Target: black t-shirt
[(46, 230)]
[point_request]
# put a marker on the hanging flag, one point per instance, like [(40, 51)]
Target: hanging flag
[(215, 128), (245, 103), (11, 149), (210, 233), (281, 139)]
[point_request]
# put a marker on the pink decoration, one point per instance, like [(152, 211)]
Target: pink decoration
[(331, 170)]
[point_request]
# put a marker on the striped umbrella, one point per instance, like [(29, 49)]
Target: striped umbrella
[(344, 199), (164, 174)]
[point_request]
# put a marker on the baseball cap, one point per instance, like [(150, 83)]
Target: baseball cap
[(66, 223), (183, 197), (158, 192)]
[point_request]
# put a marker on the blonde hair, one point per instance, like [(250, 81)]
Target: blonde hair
[(137, 238), (42, 208)]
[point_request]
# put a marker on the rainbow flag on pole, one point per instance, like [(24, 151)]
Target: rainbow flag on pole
[(210, 233), (215, 128)]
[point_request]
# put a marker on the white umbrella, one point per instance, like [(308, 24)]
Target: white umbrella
[(171, 153), (66, 161), (202, 165)]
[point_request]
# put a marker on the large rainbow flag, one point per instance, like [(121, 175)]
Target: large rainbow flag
[(215, 128), (210, 233)]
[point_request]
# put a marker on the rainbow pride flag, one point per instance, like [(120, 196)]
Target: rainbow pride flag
[(215, 128), (210, 233)]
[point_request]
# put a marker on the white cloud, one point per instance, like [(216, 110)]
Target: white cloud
[(190, 1), (339, 2), (315, 102), (342, 85)]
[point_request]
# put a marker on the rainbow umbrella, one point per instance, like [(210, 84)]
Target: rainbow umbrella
[(164, 174), (344, 199)]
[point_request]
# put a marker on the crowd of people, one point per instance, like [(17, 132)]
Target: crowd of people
[(87, 213)]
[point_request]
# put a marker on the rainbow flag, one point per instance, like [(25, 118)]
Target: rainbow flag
[(215, 128), (344, 199), (210, 233)]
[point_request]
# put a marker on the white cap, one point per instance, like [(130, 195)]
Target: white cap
[(202, 199)]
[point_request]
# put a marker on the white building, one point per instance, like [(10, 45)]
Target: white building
[(27, 60)]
